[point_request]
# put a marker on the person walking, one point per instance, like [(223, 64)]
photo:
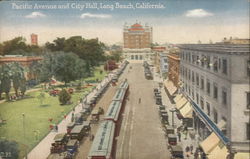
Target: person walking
[(139, 100), (191, 149), (179, 135)]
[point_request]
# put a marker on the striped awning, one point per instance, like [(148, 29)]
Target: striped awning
[(210, 143), (242, 155), (219, 152), (181, 103), (178, 97), (186, 111), (170, 87)]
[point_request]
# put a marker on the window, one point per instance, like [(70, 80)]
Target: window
[(202, 82), (197, 60), (193, 59), (165, 60), (189, 75), (215, 64), (208, 109), (189, 57), (192, 94), (202, 60), (248, 131), (248, 100), (215, 91), (185, 73), (224, 97), (197, 79), (248, 67), (189, 90), (208, 62), (224, 66), (202, 102), (208, 87), (197, 98), (215, 116), (193, 76), (186, 87)]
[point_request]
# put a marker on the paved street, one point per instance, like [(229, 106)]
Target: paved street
[(141, 135)]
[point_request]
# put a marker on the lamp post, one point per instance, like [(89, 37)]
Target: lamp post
[(172, 111), (24, 136)]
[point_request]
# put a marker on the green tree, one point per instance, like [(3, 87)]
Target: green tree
[(9, 149), (116, 55), (35, 68), (64, 97), (41, 97), (23, 86), (15, 46), (17, 75), (5, 79)]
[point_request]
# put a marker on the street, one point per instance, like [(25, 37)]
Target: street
[(141, 135)]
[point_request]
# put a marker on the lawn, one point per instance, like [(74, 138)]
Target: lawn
[(36, 116)]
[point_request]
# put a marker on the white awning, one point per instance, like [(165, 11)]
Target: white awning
[(181, 103), (210, 143), (219, 152), (178, 97), (242, 155), (187, 110), (170, 87)]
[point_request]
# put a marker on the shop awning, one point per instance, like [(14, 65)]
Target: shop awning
[(242, 155), (170, 87), (187, 110), (210, 143), (219, 152), (181, 103), (178, 97)]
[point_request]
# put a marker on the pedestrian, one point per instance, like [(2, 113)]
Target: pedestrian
[(191, 149), (56, 127), (179, 135), (72, 117), (74, 109), (185, 133), (196, 154), (139, 100)]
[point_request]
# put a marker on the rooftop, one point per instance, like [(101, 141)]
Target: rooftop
[(218, 48)]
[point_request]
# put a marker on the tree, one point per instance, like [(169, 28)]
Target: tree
[(9, 149), (15, 46), (17, 75), (23, 86), (116, 55), (41, 97), (5, 79), (64, 97)]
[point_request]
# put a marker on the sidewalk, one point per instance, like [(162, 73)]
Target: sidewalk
[(42, 150), (184, 141)]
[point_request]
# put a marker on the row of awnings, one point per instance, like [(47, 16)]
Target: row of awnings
[(213, 145), (215, 148)]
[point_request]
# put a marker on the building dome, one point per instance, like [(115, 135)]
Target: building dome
[(136, 27)]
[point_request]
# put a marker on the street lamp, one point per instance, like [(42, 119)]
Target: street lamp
[(24, 137), (172, 111)]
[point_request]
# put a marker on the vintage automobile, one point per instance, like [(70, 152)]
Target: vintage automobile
[(172, 139), (176, 152), (158, 100), (77, 132), (79, 118), (72, 147), (95, 116), (162, 107), (59, 143), (169, 129), (70, 126)]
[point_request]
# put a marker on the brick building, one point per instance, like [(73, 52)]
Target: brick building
[(173, 68), (24, 61), (137, 42)]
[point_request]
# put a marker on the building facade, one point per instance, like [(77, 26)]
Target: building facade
[(215, 77), (137, 42), (34, 39), (24, 61), (173, 68)]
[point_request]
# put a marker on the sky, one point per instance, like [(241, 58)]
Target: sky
[(174, 21)]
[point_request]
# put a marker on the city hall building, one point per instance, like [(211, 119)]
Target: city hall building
[(215, 80), (137, 42)]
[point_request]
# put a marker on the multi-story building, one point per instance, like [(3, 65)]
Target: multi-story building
[(163, 65), (34, 39), (173, 68), (137, 42), (215, 78)]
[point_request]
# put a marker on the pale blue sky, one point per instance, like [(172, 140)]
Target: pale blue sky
[(181, 21)]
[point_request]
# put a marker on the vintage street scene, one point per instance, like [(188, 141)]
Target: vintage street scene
[(124, 79)]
